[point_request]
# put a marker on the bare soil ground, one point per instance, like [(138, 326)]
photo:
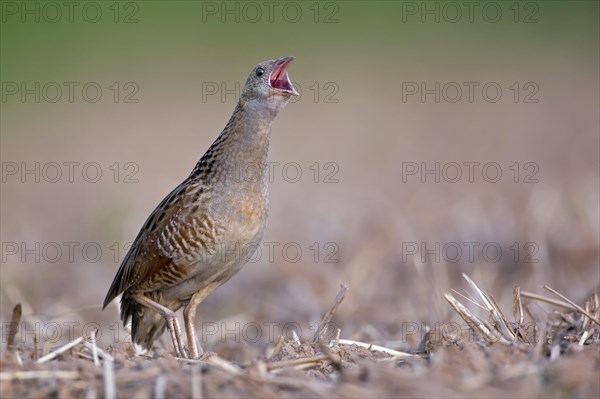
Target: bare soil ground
[(559, 357)]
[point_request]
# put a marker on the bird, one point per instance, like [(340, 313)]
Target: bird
[(209, 226)]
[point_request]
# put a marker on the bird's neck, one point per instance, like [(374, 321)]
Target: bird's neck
[(247, 137), (240, 151)]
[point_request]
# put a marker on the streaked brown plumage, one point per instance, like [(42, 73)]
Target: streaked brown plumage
[(203, 232)]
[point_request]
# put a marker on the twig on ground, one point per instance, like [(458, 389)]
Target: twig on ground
[(60, 350), (518, 305), (224, 365), (338, 334), (94, 348), (108, 375), (573, 304), (491, 306), (84, 355), (13, 326), (542, 298), (474, 322), (18, 358), (584, 337), (377, 348), (296, 362), (469, 299), (103, 354), (190, 361), (36, 349), (504, 321), (324, 325), (108, 369), (296, 338), (278, 346)]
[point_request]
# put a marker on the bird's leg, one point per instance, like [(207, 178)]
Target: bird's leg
[(189, 314), (170, 317)]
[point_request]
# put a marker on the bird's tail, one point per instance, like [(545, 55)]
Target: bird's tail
[(147, 325)]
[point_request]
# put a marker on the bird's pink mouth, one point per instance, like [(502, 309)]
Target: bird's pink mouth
[(279, 78)]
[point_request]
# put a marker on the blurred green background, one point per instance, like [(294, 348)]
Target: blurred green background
[(157, 65)]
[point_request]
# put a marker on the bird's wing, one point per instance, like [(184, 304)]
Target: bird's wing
[(178, 234)]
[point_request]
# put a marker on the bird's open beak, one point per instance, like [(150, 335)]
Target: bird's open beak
[(279, 79)]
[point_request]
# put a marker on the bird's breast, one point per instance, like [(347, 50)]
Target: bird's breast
[(249, 219)]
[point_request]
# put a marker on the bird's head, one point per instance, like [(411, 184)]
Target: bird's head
[(268, 88)]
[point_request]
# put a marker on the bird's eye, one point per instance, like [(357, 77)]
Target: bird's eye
[(260, 72)]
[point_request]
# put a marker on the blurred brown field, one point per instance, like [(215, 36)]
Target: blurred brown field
[(386, 175)]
